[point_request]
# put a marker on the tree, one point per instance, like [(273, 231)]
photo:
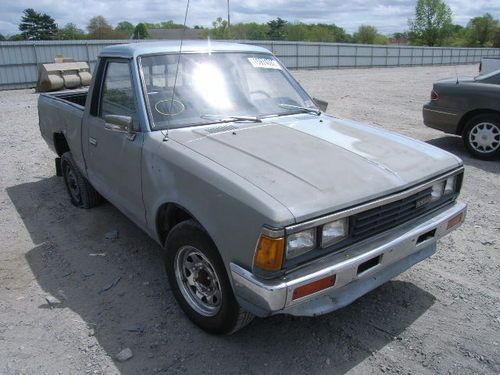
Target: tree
[(249, 31), (16, 37), (220, 30), (276, 29), (480, 30), (495, 40), (99, 28), (141, 31), (366, 34), (2, 37), (37, 26), (166, 25), (432, 23), (315, 32), (70, 32), (125, 28)]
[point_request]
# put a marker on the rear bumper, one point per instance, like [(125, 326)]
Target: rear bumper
[(440, 119), (397, 250)]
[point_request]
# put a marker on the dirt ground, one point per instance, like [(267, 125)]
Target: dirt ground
[(441, 317)]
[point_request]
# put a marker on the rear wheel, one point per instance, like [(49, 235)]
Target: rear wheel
[(81, 192), (200, 282), (482, 136)]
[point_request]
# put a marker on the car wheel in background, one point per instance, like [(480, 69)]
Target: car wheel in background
[(199, 280), (81, 192), (482, 136)]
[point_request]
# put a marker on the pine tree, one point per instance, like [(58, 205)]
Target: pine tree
[(37, 26)]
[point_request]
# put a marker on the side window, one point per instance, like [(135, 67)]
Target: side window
[(117, 93)]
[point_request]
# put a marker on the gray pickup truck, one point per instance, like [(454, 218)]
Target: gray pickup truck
[(262, 203)]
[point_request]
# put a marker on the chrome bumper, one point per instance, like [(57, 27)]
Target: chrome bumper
[(397, 250)]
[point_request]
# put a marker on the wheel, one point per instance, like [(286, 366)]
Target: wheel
[(80, 191), (200, 282), (482, 136)]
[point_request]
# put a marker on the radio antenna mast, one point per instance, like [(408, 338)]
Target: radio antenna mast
[(177, 66)]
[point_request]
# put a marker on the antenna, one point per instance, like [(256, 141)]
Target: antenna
[(165, 138), (228, 16), (456, 74)]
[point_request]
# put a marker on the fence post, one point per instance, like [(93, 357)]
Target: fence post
[(356, 56), (319, 56), (36, 60), (296, 55), (399, 55), (338, 56), (87, 52), (36, 55)]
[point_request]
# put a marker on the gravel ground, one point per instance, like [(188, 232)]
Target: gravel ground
[(72, 299)]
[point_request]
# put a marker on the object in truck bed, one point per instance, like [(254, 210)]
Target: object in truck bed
[(63, 75)]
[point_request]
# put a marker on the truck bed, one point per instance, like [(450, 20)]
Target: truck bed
[(77, 97), (60, 118)]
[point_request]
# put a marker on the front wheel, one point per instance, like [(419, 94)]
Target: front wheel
[(482, 136), (200, 282)]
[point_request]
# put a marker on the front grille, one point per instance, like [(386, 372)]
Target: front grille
[(382, 218)]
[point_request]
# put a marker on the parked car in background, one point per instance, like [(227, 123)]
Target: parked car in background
[(489, 65), (263, 203), (469, 107)]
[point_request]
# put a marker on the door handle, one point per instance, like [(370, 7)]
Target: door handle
[(93, 141)]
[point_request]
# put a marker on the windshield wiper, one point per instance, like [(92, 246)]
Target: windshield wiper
[(315, 111), (223, 118)]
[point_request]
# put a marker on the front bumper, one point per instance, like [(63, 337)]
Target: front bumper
[(397, 250)]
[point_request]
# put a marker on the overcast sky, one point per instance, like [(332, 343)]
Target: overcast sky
[(387, 15)]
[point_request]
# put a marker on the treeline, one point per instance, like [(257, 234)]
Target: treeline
[(432, 25)]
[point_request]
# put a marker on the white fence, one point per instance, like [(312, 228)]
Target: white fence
[(19, 60)]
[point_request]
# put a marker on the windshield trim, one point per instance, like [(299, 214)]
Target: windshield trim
[(152, 126)]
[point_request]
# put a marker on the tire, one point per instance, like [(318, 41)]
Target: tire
[(80, 191), (482, 136), (199, 280)]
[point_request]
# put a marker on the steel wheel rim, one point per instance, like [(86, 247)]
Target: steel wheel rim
[(72, 183), (485, 137), (198, 281)]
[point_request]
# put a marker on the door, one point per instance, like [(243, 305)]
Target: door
[(114, 155)]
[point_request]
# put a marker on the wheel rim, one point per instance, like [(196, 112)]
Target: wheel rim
[(71, 183), (485, 137), (198, 281)]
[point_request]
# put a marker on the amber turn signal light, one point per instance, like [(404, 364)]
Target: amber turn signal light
[(269, 254), (314, 287), (455, 221)]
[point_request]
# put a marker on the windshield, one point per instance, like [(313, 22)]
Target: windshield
[(217, 87)]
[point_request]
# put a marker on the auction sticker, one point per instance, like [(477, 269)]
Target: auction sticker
[(259, 62)]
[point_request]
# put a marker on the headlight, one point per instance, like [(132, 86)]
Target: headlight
[(333, 232), (437, 191), (449, 186), (300, 243)]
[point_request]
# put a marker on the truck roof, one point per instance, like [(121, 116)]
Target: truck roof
[(132, 50)]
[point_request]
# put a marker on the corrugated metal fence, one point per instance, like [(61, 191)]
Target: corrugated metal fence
[(19, 60)]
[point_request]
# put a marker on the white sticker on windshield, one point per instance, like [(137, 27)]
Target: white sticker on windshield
[(259, 62)]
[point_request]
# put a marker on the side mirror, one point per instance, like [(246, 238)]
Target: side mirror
[(321, 104), (121, 124), (118, 123)]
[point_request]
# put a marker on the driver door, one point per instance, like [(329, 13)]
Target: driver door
[(114, 155)]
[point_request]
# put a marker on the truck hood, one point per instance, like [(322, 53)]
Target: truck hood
[(317, 165)]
